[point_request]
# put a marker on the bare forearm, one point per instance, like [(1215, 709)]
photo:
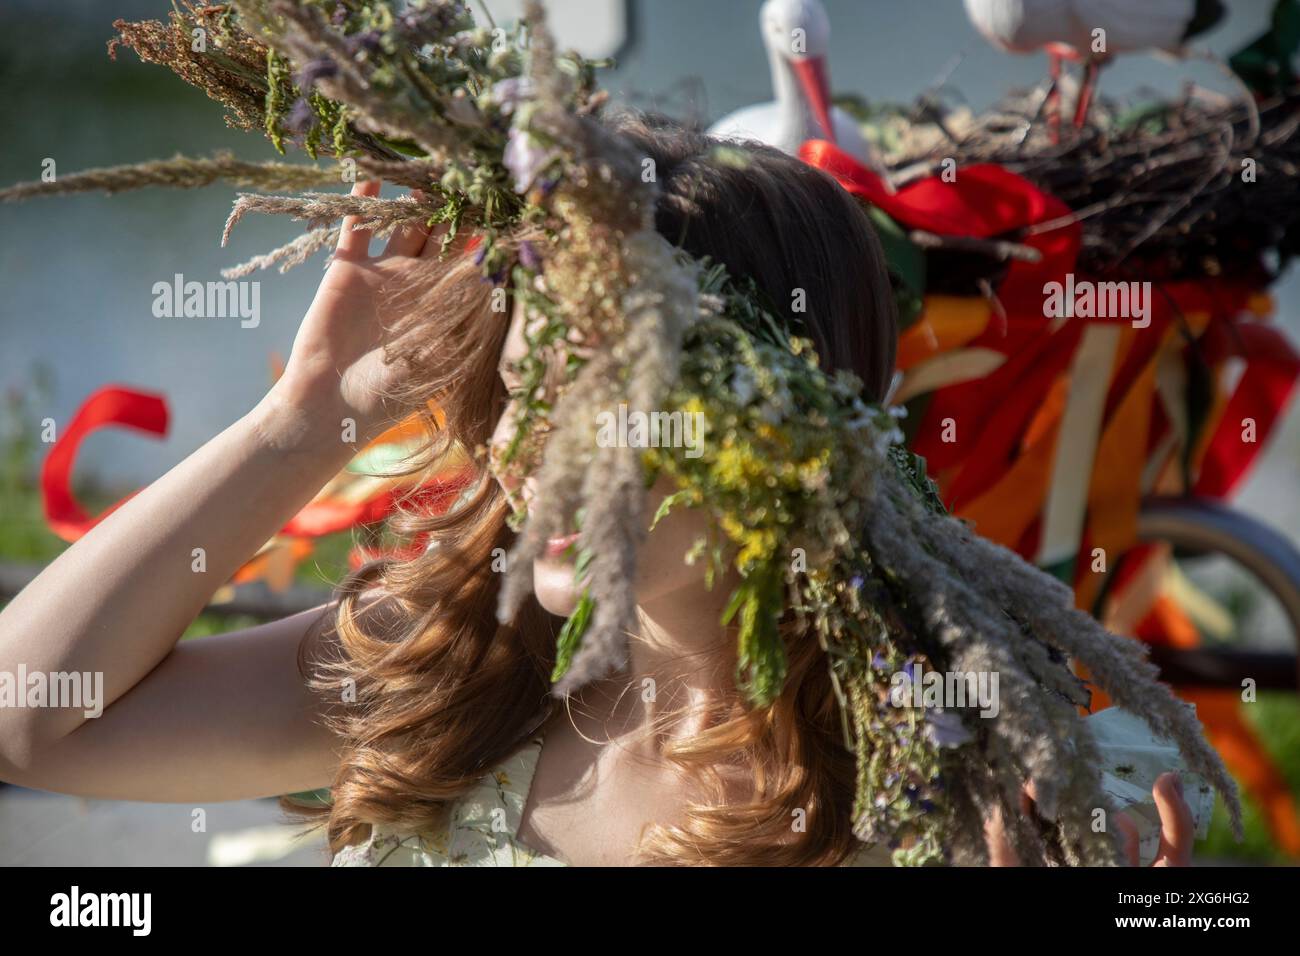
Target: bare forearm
[(117, 601)]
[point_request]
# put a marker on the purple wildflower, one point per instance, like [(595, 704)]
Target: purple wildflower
[(301, 116), (945, 729), (315, 70), (510, 92), (525, 157), (528, 257)]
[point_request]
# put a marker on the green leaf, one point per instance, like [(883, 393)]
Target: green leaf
[(912, 467), (906, 264), (1265, 64), (583, 563), (666, 505), (570, 639), (737, 599), (760, 659)]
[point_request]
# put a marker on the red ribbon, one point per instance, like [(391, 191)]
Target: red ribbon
[(327, 517), (111, 405), (1265, 386), (982, 202), (147, 412)]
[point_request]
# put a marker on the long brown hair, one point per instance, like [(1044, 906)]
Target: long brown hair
[(434, 691)]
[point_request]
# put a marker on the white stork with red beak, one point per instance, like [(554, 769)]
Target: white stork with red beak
[(797, 35), (1068, 29)]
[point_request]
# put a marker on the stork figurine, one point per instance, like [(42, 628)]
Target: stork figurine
[(1068, 30), (796, 34)]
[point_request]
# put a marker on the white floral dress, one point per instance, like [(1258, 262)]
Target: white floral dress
[(482, 826)]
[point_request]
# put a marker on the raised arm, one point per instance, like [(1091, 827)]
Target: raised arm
[(224, 717)]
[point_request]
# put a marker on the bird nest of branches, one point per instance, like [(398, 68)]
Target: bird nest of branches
[(1195, 187)]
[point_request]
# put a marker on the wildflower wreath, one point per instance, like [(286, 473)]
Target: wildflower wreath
[(828, 523)]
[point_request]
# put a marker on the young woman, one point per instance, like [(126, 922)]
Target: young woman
[(431, 723)]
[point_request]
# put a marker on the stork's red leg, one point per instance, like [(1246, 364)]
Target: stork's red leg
[(1085, 92)]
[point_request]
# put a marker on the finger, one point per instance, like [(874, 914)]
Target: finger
[(1129, 831), (408, 239), (1028, 798), (355, 243), (433, 242), (1177, 829), (995, 838)]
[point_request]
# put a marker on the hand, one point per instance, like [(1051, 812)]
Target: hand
[(1177, 830), (337, 370)]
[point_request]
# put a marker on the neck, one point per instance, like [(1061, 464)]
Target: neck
[(678, 671), (797, 119)]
